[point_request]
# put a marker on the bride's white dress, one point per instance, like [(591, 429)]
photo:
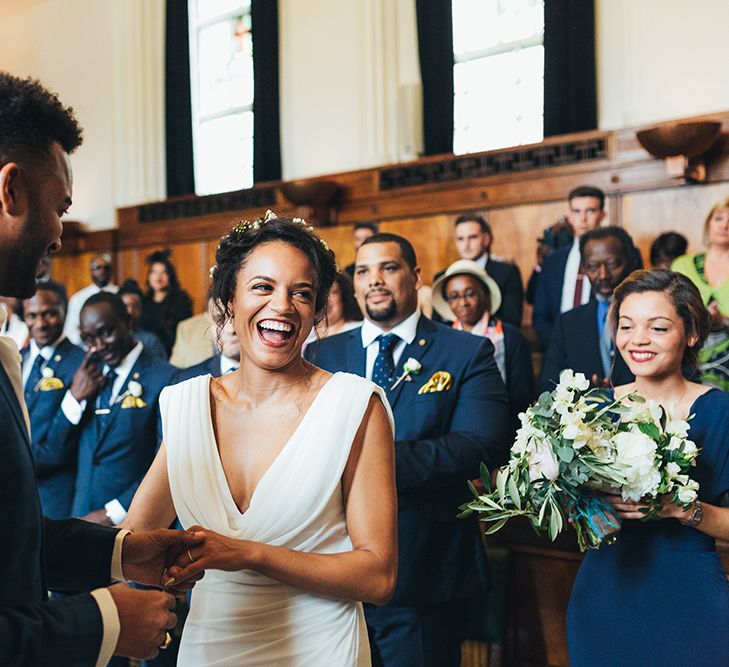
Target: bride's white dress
[(245, 618)]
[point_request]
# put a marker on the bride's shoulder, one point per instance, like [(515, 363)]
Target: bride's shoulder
[(185, 387)]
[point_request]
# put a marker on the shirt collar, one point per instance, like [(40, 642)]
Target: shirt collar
[(406, 330), (227, 364), (47, 350), (126, 365)]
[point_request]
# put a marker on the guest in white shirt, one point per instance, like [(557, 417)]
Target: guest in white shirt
[(101, 269), (14, 327)]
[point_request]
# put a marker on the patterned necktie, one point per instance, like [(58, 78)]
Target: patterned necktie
[(384, 364), (35, 376), (104, 405)]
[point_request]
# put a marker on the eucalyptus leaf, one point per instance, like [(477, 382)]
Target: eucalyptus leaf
[(514, 493), (485, 476), (497, 526), (473, 489), (501, 483)]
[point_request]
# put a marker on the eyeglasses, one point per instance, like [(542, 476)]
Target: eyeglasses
[(95, 266), (466, 295)]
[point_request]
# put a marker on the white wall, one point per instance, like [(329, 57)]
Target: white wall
[(104, 58), (660, 59)]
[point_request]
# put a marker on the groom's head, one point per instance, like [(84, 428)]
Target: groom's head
[(36, 135)]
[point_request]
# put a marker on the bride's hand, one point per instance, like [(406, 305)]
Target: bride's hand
[(217, 552)]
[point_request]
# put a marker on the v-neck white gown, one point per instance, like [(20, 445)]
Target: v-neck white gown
[(245, 618)]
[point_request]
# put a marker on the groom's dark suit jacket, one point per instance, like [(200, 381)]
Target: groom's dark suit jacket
[(440, 440), (38, 554)]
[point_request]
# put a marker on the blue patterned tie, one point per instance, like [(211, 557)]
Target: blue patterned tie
[(35, 376), (384, 364), (104, 404)]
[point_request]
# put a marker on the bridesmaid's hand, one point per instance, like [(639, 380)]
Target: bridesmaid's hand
[(628, 509), (217, 552)]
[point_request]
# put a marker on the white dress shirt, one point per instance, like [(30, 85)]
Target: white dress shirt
[(406, 331), (571, 270), (75, 304), (10, 359), (228, 365), (14, 327)]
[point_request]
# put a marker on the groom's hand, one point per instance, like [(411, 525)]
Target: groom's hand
[(146, 556)]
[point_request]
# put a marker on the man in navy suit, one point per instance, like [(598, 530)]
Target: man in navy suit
[(226, 360), (36, 135), (562, 283), (49, 364), (473, 238), (119, 430), (450, 415), (582, 339)]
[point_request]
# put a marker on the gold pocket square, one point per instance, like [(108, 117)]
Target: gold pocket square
[(50, 384), (439, 381), (132, 402)]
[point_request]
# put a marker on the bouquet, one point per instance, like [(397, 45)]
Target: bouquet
[(576, 443)]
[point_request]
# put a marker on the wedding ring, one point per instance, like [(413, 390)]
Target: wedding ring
[(189, 555), (166, 642)]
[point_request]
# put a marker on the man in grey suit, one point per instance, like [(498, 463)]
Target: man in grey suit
[(36, 135)]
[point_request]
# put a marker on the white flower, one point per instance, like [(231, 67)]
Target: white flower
[(645, 411), (542, 462), (690, 450), (673, 469), (688, 494), (211, 272), (134, 388), (47, 372), (412, 365), (677, 427), (635, 452)]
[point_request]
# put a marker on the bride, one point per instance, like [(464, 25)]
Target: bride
[(289, 471)]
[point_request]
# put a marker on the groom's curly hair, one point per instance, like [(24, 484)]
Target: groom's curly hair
[(244, 238)]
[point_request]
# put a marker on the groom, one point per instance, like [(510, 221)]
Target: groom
[(450, 414), (36, 135)]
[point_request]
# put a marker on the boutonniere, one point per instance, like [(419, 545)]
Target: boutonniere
[(410, 367), (439, 381), (48, 381), (132, 397)]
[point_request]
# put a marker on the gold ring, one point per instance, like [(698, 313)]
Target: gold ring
[(167, 641), (189, 555)]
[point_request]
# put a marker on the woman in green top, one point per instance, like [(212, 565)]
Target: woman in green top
[(709, 271)]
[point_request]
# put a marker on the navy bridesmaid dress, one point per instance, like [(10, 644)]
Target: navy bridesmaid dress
[(659, 595)]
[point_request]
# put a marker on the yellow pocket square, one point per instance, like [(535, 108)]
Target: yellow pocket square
[(439, 381), (50, 384), (132, 402)]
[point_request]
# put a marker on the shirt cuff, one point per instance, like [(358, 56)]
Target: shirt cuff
[(116, 557), (72, 409), (115, 511), (109, 623)]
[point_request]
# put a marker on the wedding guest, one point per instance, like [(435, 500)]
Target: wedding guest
[(555, 236), (131, 295), (290, 469), (581, 340), (166, 304), (37, 133), (101, 269), (466, 295), (14, 326), (451, 414), (659, 595), (709, 271), (119, 429), (666, 248), (49, 366), (473, 239), (225, 360), (342, 313), (360, 233)]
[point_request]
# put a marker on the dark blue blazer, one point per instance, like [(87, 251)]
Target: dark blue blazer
[(575, 344), (39, 554), (548, 294), (54, 444), (210, 365), (519, 374), (113, 460), (440, 440)]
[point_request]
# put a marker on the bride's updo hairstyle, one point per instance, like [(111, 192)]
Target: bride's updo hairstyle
[(245, 237), (684, 296)]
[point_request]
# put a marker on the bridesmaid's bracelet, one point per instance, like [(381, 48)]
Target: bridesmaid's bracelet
[(697, 514)]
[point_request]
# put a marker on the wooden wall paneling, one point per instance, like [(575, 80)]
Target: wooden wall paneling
[(72, 270), (191, 263), (339, 239), (130, 264)]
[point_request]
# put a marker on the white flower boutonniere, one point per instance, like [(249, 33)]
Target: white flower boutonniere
[(131, 398), (49, 381), (411, 367)]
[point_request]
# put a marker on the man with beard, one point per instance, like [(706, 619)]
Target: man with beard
[(450, 411), (36, 135), (581, 340)]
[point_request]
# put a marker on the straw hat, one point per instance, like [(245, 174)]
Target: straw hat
[(459, 268)]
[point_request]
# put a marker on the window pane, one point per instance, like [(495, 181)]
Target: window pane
[(224, 154), (484, 24), (224, 66), (204, 10), (499, 101)]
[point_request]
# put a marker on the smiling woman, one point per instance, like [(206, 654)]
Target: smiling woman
[(289, 469)]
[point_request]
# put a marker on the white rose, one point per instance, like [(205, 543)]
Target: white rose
[(635, 452), (542, 462), (677, 427), (688, 494), (134, 388), (690, 449), (673, 469), (412, 365), (47, 372), (642, 485)]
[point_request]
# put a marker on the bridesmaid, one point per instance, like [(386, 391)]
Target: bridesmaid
[(659, 595)]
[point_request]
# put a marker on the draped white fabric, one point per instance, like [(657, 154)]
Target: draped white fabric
[(245, 618)]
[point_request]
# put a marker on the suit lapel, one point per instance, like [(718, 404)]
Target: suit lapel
[(6, 388), (356, 355), (422, 341), (594, 358), (138, 367), (31, 393)]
